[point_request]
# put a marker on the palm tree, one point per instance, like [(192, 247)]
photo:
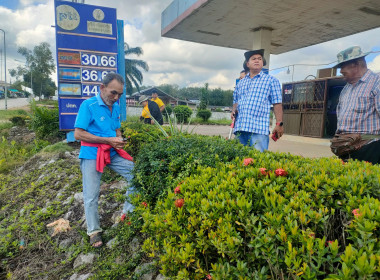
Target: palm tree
[(133, 75)]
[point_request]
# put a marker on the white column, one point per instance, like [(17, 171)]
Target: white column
[(262, 40)]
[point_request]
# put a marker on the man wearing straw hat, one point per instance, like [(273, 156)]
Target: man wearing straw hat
[(358, 110)]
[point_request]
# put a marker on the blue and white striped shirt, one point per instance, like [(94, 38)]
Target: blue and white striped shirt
[(358, 110), (254, 97)]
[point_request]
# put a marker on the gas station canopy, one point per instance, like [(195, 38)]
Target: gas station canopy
[(277, 25)]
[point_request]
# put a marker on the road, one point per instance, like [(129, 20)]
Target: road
[(13, 103), (296, 145)]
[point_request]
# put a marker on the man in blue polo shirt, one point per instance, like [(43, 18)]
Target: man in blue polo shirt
[(252, 98), (98, 127)]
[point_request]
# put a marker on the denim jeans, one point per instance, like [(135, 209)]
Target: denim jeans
[(91, 188), (259, 141)]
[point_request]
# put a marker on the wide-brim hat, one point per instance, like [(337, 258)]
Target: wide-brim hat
[(248, 54), (143, 98), (351, 53)]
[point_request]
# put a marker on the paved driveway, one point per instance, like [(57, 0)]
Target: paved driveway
[(296, 145)]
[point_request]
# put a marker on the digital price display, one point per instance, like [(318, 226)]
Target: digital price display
[(98, 60), (86, 38), (90, 90), (93, 75)]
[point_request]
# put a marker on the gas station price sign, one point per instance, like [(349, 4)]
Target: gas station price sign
[(86, 38)]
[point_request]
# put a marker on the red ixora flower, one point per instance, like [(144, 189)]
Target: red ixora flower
[(356, 212), (248, 161), (329, 242), (263, 171), (208, 277), (280, 172), (122, 218), (179, 203), (177, 190), (144, 204)]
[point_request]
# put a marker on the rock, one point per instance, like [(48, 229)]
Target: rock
[(80, 277), (66, 243), (67, 201), (78, 197), (119, 185), (160, 277), (112, 243), (134, 246), (116, 217), (84, 259), (145, 271), (68, 215), (112, 206)]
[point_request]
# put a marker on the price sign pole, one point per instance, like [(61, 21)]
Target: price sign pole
[(87, 50)]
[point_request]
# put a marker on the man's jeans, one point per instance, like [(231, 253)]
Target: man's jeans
[(91, 188), (259, 141)]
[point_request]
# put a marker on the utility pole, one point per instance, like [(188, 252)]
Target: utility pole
[(5, 72)]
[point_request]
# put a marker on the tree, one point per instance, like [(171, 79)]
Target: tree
[(172, 90), (39, 66), (204, 98), (133, 75)]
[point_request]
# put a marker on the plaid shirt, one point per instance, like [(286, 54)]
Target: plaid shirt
[(358, 110), (254, 97)]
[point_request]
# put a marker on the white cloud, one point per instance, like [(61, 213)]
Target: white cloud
[(32, 2), (374, 65)]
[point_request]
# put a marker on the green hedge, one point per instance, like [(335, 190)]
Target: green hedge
[(161, 164), (315, 219)]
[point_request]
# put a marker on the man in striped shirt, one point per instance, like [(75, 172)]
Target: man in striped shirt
[(252, 99), (358, 110)]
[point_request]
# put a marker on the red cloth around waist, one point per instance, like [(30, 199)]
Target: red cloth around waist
[(103, 156)]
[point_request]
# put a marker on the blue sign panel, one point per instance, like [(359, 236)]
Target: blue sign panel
[(87, 50), (69, 105)]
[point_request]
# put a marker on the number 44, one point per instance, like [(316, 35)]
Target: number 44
[(90, 90)]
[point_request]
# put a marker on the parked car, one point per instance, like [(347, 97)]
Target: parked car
[(227, 109)]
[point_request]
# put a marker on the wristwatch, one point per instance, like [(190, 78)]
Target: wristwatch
[(280, 123)]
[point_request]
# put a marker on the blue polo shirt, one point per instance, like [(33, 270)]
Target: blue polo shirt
[(95, 117)]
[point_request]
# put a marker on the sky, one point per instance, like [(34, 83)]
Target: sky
[(29, 22)]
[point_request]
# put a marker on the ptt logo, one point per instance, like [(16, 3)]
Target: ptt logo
[(67, 17)]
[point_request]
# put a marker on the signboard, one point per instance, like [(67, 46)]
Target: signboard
[(87, 49)]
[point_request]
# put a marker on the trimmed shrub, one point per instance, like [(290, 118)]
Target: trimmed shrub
[(182, 113), (19, 120), (161, 164), (167, 111), (45, 122), (204, 114), (139, 134), (273, 216)]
